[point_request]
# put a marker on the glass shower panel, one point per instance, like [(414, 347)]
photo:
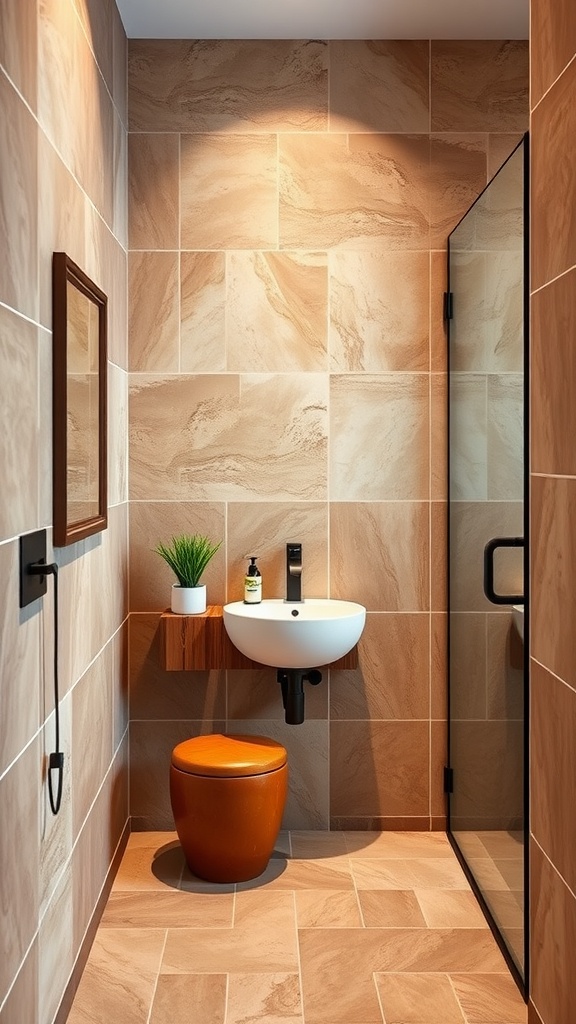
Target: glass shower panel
[(487, 501)]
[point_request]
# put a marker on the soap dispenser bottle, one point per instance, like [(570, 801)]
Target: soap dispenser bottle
[(252, 582)]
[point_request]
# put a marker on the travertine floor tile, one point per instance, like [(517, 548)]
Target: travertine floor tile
[(180, 998), (304, 874), (489, 997), (136, 872), (429, 873), (168, 910), (330, 909), (418, 999), (444, 909), (308, 845), (397, 844), (391, 909), (119, 977), (269, 998)]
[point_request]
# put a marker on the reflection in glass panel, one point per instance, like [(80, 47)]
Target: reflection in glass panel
[(487, 494), (83, 405)]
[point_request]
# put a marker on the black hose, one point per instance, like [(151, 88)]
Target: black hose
[(56, 758)]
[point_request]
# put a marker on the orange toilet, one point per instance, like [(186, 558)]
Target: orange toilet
[(228, 795)]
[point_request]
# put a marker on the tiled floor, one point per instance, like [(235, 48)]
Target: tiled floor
[(343, 928)]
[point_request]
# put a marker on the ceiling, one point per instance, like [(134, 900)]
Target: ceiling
[(325, 19)]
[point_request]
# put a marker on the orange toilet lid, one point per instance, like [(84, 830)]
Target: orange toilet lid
[(228, 757)]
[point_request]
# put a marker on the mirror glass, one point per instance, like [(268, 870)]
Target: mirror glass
[(80, 309)]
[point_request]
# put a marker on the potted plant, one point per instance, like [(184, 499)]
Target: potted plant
[(188, 555)]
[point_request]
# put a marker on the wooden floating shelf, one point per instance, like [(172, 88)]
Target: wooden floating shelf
[(195, 643)]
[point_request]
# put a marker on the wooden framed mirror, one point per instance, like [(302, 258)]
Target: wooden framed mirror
[(79, 414)]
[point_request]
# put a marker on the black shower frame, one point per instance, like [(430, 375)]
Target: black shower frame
[(523, 981)]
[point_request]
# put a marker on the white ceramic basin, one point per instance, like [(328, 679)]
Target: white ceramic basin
[(286, 635), (518, 618)]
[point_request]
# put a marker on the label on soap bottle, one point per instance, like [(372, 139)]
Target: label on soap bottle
[(252, 589)]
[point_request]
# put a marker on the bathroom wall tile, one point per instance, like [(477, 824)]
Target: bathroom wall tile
[(553, 748), (117, 435), (202, 312), (551, 156), (457, 176), (18, 42), (438, 666), (222, 85), (120, 684), (153, 522), (438, 547), (499, 149), (157, 694), (96, 19), (473, 524), (438, 759), (438, 325), (18, 212), (553, 575), (393, 779), (504, 335), (151, 745), (553, 931), (379, 85), (490, 753), (403, 997), (276, 311), (20, 664), (504, 683), (153, 191), (553, 36), (438, 435), (308, 775), (392, 681), (485, 995), (468, 339), (120, 974), (107, 555), (212, 415), (56, 831), (228, 191), (391, 549), (154, 313), (468, 665), (255, 694), (22, 1003), (19, 880), (553, 322), (468, 437), (264, 528), (479, 85), (120, 66), (91, 715), (75, 596), (61, 220), (394, 408), (379, 311), (176, 993), (354, 192), (19, 424), (56, 953), (105, 262)]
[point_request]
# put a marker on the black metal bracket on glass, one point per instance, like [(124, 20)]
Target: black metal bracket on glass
[(490, 593)]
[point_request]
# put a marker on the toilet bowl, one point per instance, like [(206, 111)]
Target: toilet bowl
[(228, 795)]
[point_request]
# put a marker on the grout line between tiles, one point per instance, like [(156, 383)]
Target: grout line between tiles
[(298, 954), (157, 976)]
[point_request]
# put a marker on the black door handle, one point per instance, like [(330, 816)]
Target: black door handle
[(499, 542)]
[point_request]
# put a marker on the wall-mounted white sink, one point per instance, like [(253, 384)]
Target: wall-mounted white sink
[(314, 632), (518, 618)]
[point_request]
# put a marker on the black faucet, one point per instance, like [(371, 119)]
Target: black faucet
[(293, 572)]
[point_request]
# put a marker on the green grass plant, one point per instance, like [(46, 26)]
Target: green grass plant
[(188, 555)]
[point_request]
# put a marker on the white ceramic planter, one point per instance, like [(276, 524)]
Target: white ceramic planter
[(188, 600)]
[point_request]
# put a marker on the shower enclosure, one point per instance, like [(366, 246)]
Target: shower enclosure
[(486, 309)]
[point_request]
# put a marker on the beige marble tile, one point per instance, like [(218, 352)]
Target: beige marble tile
[(392, 780), (276, 311), (212, 85), (61, 221), (107, 558), (117, 435), (505, 683), (153, 868), (20, 879), (147, 909), (18, 206), (263, 940), (390, 542), (479, 85), (264, 528), (96, 19), (228, 191), (307, 805), (490, 753), (327, 909), (154, 311), (438, 567), (119, 222), (379, 85), (414, 998), (309, 844), (120, 65), (438, 663), (489, 997), (274, 998), (443, 909), (153, 191), (256, 694), (392, 680), (552, 408), (105, 262), (120, 975), (20, 662), (92, 713), (176, 993), (402, 845), (505, 406), (152, 522), (390, 909), (379, 311), (438, 434), (296, 874), (354, 192), (500, 147), (412, 873), (468, 665), (202, 312), (438, 325), (18, 46), (457, 176), (215, 445), (468, 437), (56, 951)]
